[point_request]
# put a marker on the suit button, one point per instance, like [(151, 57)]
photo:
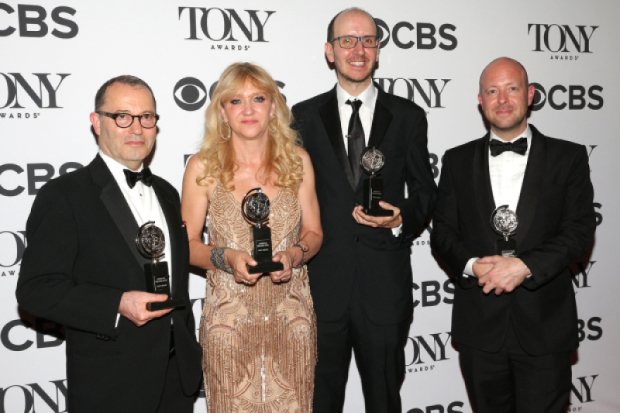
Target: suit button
[(356, 239)]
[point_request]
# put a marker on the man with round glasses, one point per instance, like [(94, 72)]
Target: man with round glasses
[(82, 268), (361, 280)]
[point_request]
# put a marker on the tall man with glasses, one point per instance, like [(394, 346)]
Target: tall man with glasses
[(361, 281), (82, 268)]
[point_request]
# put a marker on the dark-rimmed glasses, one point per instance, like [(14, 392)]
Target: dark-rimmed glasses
[(349, 42), (125, 120)]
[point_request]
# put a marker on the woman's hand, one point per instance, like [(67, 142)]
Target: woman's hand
[(238, 261), (286, 258)]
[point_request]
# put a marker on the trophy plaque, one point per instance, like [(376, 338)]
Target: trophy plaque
[(151, 243), (255, 209), (505, 222), (372, 161)]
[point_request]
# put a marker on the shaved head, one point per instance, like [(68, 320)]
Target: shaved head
[(330, 27), (503, 61)]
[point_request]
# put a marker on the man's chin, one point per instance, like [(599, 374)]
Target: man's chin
[(505, 128), (357, 79)]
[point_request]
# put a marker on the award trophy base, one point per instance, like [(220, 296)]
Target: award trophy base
[(158, 282), (263, 252), (164, 305), (265, 267), (507, 248), (373, 193)]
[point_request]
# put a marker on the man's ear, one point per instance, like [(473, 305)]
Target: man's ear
[(329, 52), (95, 119), (531, 91)]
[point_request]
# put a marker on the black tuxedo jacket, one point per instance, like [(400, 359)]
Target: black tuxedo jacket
[(556, 226), (373, 257), (81, 257)]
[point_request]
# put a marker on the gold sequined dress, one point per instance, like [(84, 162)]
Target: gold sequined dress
[(259, 341)]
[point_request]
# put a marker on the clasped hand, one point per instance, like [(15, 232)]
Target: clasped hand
[(499, 273)]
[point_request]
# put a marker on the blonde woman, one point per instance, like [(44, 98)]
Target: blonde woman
[(258, 331)]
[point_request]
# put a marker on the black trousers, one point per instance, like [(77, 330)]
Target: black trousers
[(513, 381), (379, 355), (173, 400)]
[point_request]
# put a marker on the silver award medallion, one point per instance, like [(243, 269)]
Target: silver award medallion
[(505, 222), (151, 241), (256, 207), (372, 160)]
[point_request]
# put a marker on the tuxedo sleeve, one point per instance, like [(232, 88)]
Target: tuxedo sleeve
[(575, 233), (422, 190), (446, 239), (46, 287)]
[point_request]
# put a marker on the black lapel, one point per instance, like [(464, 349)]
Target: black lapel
[(171, 213), (380, 121), (532, 184), (482, 185), (331, 120), (117, 206)]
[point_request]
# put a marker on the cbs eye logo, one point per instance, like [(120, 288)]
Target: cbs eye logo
[(572, 97), (190, 94)]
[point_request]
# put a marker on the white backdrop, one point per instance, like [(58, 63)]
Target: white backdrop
[(55, 54)]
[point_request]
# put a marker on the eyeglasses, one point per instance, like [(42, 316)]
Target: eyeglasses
[(349, 42), (125, 120)]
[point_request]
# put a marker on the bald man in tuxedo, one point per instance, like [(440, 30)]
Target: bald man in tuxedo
[(514, 313)]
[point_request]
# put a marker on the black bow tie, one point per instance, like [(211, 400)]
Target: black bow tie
[(519, 146), (132, 177)]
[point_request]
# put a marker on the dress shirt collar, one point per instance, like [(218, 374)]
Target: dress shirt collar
[(368, 97), (117, 168)]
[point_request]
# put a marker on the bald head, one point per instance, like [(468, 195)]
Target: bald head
[(502, 63), (342, 14)]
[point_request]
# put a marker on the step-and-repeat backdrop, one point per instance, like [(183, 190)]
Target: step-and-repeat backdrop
[(54, 55)]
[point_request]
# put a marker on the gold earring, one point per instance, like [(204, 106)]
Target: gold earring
[(227, 136), (277, 124)]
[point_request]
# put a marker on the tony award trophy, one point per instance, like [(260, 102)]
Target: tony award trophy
[(505, 222), (372, 161), (151, 243), (255, 209)]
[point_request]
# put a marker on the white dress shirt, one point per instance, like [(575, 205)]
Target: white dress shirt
[(367, 112), (506, 171), (143, 203)]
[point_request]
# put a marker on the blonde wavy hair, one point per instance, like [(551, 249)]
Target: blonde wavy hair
[(217, 152)]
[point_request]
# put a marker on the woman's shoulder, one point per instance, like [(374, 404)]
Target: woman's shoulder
[(302, 153), (194, 170), (195, 163)]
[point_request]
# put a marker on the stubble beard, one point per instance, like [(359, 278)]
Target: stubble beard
[(513, 126), (353, 82)]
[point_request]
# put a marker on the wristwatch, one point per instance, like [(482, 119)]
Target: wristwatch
[(304, 249)]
